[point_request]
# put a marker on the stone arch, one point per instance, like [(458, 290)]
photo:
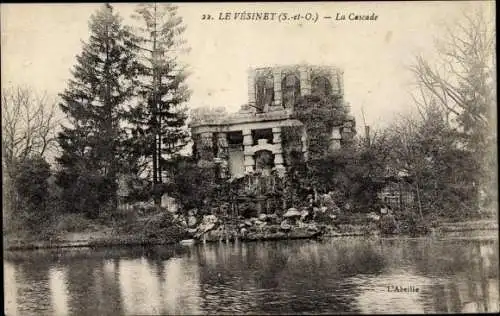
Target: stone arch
[(321, 86), (264, 88), (290, 88), (264, 160)]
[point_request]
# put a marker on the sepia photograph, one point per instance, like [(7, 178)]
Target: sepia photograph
[(227, 158)]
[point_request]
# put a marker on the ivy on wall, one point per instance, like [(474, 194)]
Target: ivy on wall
[(319, 115), (292, 145)]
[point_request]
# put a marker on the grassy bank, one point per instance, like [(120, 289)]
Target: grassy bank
[(124, 227), (156, 227), (468, 226)]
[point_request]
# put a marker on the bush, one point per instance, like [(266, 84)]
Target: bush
[(87, 192), (120, 217), (72, 223), (388, 224), (323, 218), (411, 223), (343, 218), (162, 226), (249, 209), (31, 186)]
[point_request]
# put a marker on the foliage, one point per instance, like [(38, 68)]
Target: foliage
[(388, 224), (104, 78), (319, 115), (355, 173), (140, 189), (73, 222), (460, 81), (292, 146), (28, 124), (158, 117), (444, 174), (411, 223), (28, 130), (32, 193), (86, 192), (193, 186), (162, 226), (207, 114)]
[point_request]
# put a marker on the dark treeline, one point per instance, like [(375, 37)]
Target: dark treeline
[(125, 111)]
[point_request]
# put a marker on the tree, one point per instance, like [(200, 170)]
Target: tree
[(28, 129), (33, 194), (207, 113), (409, 155), (192, 185), (442, 174), (28, 125), (462, 82), (104, 80), (158, 118)]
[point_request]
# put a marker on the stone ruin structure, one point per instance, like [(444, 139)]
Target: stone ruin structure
[(252, 139)]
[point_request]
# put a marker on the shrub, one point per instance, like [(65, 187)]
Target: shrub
[(388, 224), (411, 223), (161, 226), (72, 223), (31, 186)]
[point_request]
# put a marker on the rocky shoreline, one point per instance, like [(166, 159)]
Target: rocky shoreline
[(210, 229), (130, 241), (290, 225)]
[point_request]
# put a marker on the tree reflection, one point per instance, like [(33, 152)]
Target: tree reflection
[(341, 275), (92, 288), (33, 292), (466, 272), (284, 277)]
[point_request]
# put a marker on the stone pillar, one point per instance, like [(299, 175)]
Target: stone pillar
[(247, 143), (348, 131), (276, 135), (251, 87), (206, 139), (247, 137), (279, 164), (305, 82), (335, 139), (278, 154), (347, 107), (277, 86), (340, 82), (223, 154), (206, 150), (249, 163), (222, 143)]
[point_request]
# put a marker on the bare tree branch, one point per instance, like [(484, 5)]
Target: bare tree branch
[(458, 80), (28, 124)]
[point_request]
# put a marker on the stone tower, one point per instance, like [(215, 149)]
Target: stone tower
[(251, 139)]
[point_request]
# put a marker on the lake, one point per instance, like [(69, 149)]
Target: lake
[(338, 275)]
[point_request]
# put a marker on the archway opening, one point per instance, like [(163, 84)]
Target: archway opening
[(290, 87), (321, 86)]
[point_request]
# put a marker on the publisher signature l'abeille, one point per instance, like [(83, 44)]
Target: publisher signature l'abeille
[(403, 289)]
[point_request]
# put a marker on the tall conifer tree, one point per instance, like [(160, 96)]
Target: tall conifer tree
[(158, 118), (104, 79)]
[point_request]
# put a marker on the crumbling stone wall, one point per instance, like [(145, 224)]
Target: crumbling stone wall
[(323, 118)]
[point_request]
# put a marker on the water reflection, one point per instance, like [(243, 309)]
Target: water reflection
[(346, 275), (58, 290), (10, 289)]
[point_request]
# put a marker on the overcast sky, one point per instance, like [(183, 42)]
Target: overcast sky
[(40, 42)]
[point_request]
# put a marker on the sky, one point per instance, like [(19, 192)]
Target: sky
[(39, 43)]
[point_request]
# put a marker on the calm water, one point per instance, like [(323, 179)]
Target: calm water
[(349, 275)]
